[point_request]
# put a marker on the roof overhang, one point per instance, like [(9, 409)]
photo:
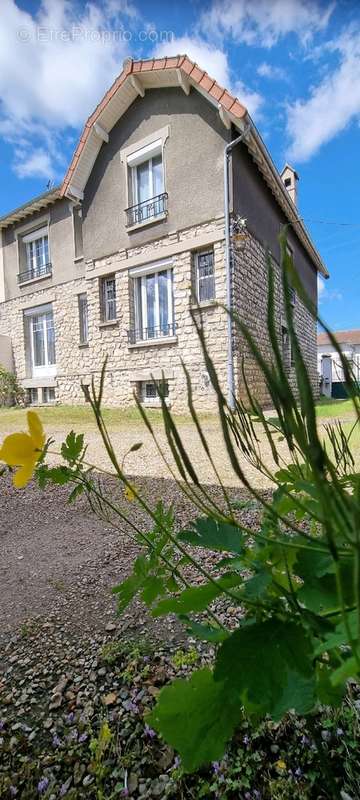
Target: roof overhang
[(139, 76), (37, 204)]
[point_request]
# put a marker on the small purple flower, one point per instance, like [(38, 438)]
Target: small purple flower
[(13, 791), (56, 742), (63, 789), (2, 724), (73, 735), (216, 767), (149, 731), (246, 740), (305, 740), (43, 785), (339, 732), (177, 762), (70, 718), (129, 705), (83, 738), (298, 772), (257, 794), (125, 792)]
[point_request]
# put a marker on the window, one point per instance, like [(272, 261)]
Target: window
[(32, 396), (78, 234), (154, 316), (287, 182), (108, 299), (146, 184), (83, 318), (205, 277), (287, 350), (41, 336), (37, 255), (149, 391), (48, 394)]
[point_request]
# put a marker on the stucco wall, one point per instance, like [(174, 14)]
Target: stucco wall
[(6, 355), (253, 199), (193, 158), (61, 248)]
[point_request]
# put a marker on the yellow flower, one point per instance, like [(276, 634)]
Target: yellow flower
[(280, 765), (23, 450), (129, 493)]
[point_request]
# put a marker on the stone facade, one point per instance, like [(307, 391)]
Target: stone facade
[(131, 364)]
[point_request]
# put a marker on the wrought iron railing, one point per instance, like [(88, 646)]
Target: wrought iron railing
[(147, 210), (35, 272), (147, 334)]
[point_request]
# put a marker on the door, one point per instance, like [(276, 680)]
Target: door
[(326, 373)]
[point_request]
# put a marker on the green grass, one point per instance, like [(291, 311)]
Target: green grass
[(340, 409), (81, 417)]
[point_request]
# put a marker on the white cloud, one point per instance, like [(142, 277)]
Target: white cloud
[(215, 62), (266, 70), (332, 105), (37, 164), (325, 294), (264, 22), (56, 65)]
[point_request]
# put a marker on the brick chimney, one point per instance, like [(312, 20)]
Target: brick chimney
[(290, 179)]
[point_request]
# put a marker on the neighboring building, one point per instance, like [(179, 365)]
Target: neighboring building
[(330, 371), (112, 262)]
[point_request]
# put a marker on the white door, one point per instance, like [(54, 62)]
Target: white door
[(326, 372)]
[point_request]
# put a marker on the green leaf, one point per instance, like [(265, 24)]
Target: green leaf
[(57, 475), (206, 633), (135, 447), (328, 694), (214, 535), (153, 586), (126, 591), (279, 679), (338, 636), (347, 670), (75, 493), (73, 446), (196, 717), (256, 587), (196, 598)]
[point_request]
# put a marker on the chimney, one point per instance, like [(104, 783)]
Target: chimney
[(290, 179)]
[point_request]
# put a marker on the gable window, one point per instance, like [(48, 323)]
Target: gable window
[(37, 257), (83, 318), (41, 338), (205, 276), (146, 184), (153, 302), (108, 298)]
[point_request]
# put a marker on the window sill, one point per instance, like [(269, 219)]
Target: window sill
[(146, 222), (155, 403), (83, 345), (154, 342), (78, 258), (203, 304), (35, 280), (111, 323)]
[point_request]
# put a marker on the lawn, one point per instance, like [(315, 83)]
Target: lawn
[(339, 409)]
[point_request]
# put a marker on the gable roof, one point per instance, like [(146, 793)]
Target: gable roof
[(342, 337), (134, 80)]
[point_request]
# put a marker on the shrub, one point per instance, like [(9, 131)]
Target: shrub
[(11, 393)]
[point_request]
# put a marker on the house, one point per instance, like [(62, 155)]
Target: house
[(330, 371), (167, 208)]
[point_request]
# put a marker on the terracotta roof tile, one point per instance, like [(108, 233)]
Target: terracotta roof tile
[(175, 62), (342, 337)]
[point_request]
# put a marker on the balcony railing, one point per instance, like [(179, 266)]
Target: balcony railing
[(147, 334), (147, 210), (32, 274)]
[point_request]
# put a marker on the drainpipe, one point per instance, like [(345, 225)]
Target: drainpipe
[(230, 361)]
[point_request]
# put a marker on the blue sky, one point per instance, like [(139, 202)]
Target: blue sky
[(294, 63)]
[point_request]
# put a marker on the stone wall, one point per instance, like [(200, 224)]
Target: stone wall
[(250, 296), (128, 365)]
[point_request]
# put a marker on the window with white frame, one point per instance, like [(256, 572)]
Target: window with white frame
[(205, 275), (146, 184), (37, 254), (108, 298), (48, 394), (83, 318), (149, 391), (41, 337), (153, 300)]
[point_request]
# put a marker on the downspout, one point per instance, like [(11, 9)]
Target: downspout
[(230, 360)]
